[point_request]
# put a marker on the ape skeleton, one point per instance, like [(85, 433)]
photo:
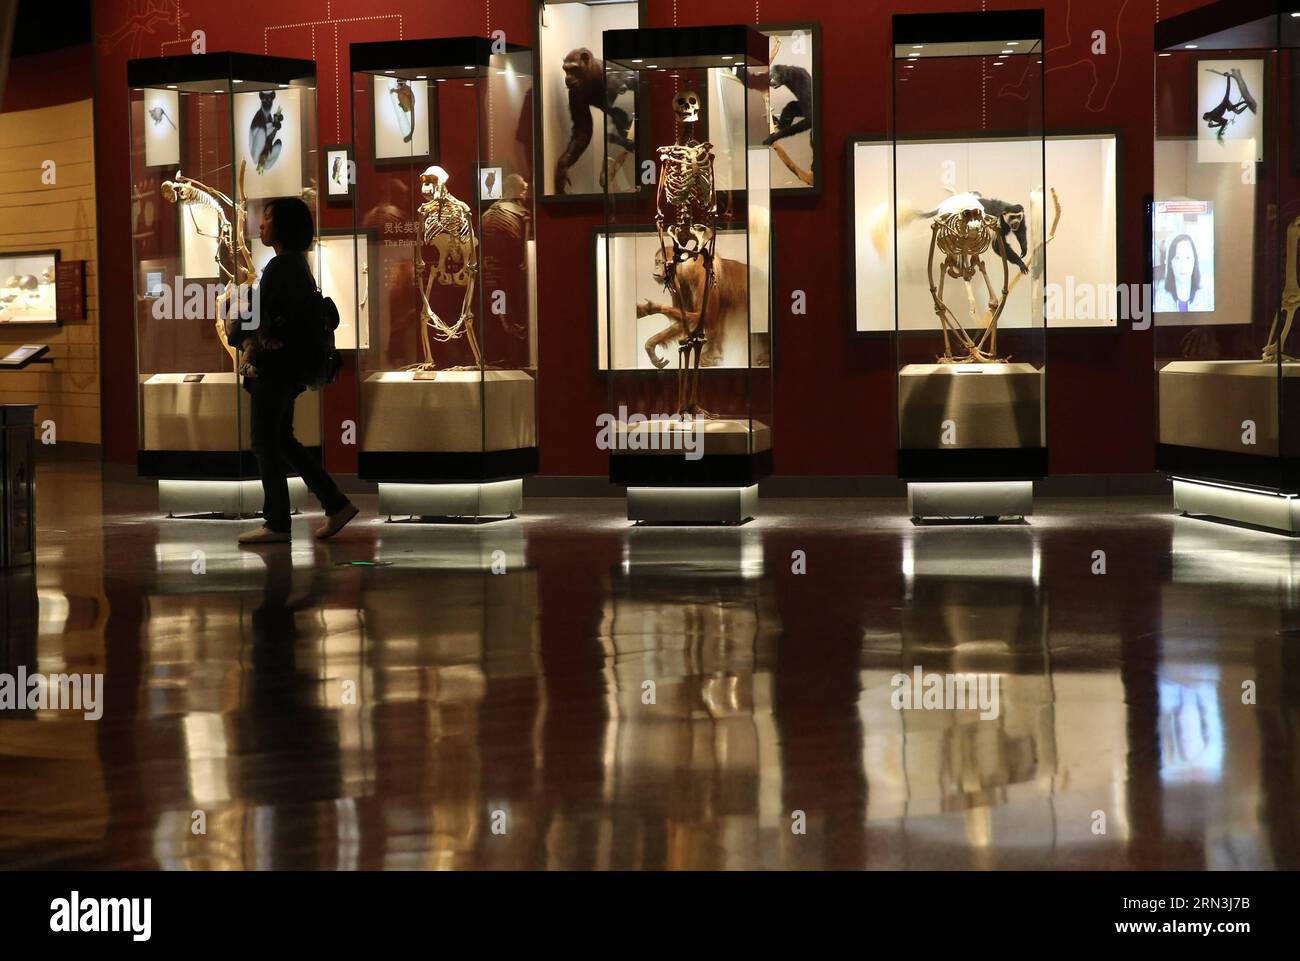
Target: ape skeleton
[(686, 212), (234, 259), (447, 227), (962, 232)]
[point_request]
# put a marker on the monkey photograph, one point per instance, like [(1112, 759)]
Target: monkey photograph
[(584, 114), (268, 138), (1230, 103)]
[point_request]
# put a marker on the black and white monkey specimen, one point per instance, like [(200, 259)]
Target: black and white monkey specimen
[(1011, 222), (796, 115), (584, 77)]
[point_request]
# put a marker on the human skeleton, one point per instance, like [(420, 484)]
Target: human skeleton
[(686, 213), (1290, 301), (234, 259), (962, 232), (448, 228)]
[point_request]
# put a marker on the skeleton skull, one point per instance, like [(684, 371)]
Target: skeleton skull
[(687, 106), (431, 180)]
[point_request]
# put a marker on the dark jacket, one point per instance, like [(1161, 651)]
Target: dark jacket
[(279, 346)]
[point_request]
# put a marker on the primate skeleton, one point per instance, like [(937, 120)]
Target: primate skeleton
[(234, 259), (962, 232), (447, 227), (686, 213)]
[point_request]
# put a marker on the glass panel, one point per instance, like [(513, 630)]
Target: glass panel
[(974, 212), (1224, 238), (508, 253), (206, 155), (444, 202), (717, 246)]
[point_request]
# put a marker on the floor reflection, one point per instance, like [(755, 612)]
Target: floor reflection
[(563, 690)]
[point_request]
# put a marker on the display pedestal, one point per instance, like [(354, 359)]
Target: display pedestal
[(209, 414), (692, 505), (481, 501), (227, 498), (964, 500), (970, 406), (1279, 512), (448, 411)]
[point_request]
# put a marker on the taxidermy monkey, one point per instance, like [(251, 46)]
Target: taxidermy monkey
[(1011, 221), (730, 287), (584, 76), (799, 82)]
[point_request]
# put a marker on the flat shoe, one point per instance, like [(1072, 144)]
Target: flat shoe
[(264, 535), (336, 522)]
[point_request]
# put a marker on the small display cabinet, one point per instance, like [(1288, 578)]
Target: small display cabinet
[(683, 271), (213, 137), (973, 213), (443, 198), (1225, 237)]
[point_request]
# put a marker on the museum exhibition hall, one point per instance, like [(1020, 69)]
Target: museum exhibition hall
[(666, 435)]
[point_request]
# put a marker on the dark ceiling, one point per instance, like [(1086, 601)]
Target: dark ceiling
[(43, 26)]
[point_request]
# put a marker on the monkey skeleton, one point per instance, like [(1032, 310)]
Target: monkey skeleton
[(963, 232), (234, 259)]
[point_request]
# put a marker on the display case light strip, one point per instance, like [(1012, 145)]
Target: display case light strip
[(1233, 487)]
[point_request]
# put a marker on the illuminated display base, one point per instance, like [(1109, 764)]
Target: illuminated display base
[(963, 500), (228, 498), (503, 498), (692, 505), (1279, 512)]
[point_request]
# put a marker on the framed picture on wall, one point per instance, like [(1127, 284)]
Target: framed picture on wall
[(574, 106), (402, 112), (28, 287), (339, 175), (161, 121), (268, 141), (793, 116), (633, 328)]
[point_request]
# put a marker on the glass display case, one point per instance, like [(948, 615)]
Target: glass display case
[(443, 143), (213, 137), (973, 212), (1224, 235), (683, 274)]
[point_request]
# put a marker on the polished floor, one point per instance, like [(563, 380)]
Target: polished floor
[(566, 691)]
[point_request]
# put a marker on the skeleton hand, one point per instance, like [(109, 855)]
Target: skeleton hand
[(648, 307), (561, 177)]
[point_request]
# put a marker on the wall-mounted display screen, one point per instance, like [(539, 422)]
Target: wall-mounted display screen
[(1182, 257)]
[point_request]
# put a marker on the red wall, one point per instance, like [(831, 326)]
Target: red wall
[(834, 391)]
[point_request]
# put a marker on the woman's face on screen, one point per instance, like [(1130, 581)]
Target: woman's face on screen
[(1184, 260)]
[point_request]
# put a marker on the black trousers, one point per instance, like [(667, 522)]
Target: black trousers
[(278, 452)]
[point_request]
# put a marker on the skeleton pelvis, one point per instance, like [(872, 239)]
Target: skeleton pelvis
[(450, 266), (689, 239)]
